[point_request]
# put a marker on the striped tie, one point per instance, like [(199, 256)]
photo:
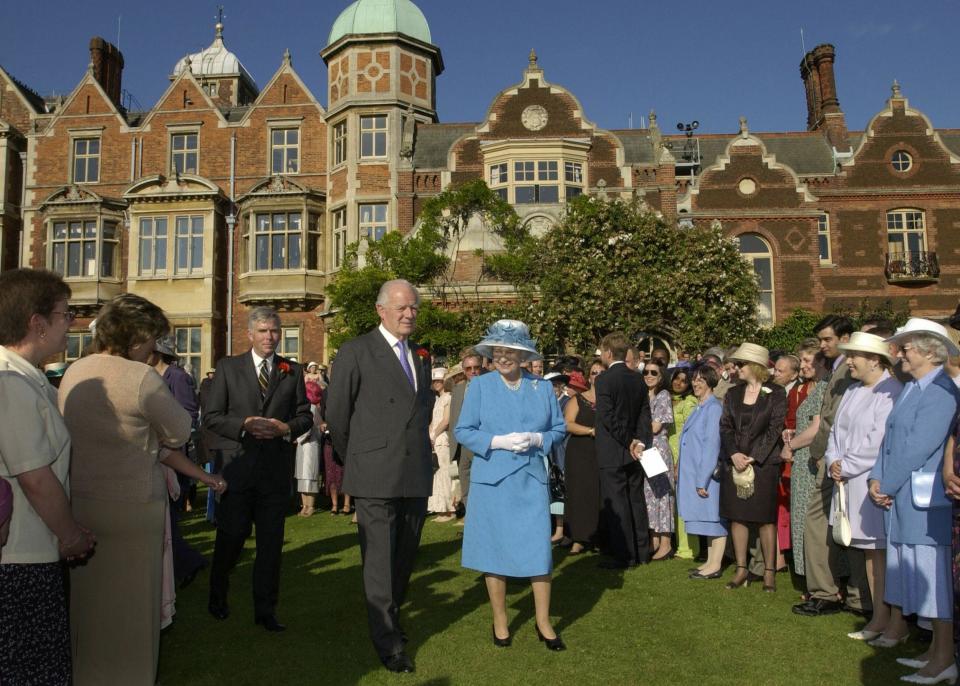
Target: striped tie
[(263, 378)]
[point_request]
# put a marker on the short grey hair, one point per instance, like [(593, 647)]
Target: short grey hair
[(383, 297), (927, 344), (262, 314)]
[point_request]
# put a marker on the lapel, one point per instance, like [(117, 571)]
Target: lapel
[(275, 378)]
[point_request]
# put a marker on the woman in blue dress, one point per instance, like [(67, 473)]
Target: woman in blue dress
[(509, 420), (698, 493)]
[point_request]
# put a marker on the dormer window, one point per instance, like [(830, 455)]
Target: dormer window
[(184, 153), (86, 160), (285, 151)]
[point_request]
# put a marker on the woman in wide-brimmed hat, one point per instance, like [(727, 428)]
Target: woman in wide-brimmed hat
[(918, 574), (750, 441), (510, 420), (852, 450), (441, 501)]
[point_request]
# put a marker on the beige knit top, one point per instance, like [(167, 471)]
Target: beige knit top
[(119, 413)]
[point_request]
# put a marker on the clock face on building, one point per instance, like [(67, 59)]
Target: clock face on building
[(534, 117)]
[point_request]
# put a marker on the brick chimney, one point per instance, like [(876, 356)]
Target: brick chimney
[(823, 107), (107, 63)]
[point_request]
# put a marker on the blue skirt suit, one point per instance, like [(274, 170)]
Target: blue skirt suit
[(507, 530), (919, 573), (700, 450)]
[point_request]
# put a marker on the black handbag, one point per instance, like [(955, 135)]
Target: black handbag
[(558, 487), (436, 460)]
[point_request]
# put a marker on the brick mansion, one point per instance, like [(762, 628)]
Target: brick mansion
[(226, 195)]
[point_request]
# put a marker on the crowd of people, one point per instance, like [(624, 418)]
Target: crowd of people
[(837, 461)]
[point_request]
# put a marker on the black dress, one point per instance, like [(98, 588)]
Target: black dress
[(582, 476), (755, 431)]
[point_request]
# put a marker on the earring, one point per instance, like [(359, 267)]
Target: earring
[(43, 334)]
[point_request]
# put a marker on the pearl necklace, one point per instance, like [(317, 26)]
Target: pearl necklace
[(512, 385)]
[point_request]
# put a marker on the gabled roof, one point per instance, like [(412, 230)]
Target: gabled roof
[(30, 96)]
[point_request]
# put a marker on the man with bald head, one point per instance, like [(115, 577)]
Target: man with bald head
[(379, 406)]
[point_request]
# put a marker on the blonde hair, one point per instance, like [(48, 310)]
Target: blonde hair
[(760, 371)]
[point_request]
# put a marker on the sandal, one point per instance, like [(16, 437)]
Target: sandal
[(733, 585), (334, 512), (770, 588)]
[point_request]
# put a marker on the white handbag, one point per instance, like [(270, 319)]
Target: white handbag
[(842, 535), (927, 490)]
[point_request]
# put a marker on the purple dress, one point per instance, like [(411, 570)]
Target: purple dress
[(659, 491)]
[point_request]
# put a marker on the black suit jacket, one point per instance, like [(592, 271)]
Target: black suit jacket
[(234, 395), (378, 423), (623, 414), (754, 430)]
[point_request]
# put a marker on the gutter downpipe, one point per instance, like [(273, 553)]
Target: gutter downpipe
[(23, 209), (231, 222)]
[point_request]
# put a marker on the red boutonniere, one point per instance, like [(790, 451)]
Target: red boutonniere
[(284, 367), (424, 354)]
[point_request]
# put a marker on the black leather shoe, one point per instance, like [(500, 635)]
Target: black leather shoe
[(697, 575), (218, 610), (400, 663), (501, 642), (817, 608), (555, 644), (270, 623)]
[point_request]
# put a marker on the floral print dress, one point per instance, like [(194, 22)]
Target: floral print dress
[(803, 474), (659, 491)]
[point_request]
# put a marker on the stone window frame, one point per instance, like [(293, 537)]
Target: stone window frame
[(368, 229), (373, 133), (537, 151), (188, 353), (285, 332), (823, 239), (284, 147), (184, 152), (271, 233), (98, 239), (906, 149), (187, 243), (153, 239), (310, 232), (768, 296), (338, 237), (80, 339), (339, 141), (907, 215), (75, 156), (900, 157)]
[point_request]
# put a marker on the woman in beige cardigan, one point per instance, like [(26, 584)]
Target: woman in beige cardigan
[(123, 422)]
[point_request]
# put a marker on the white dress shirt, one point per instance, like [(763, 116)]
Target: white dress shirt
[(392, 342)]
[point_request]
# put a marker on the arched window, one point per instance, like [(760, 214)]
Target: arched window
[(757, 252)]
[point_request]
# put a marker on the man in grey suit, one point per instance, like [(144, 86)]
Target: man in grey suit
[(472, 363), (379, 410)]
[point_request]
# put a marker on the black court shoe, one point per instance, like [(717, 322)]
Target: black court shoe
[(501, 642), (555, 644)]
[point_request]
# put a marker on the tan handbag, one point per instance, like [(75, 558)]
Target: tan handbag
[(842, 535)]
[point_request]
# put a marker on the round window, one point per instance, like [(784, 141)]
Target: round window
[(747, 186), (901, 161)]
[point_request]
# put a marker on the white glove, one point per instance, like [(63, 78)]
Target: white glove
[(504, 442), (526, 441)]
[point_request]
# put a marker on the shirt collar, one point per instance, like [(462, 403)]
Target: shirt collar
[(391, 339), (838, 361), (928, 378), (615, 363), (21, 365), (257, 360)]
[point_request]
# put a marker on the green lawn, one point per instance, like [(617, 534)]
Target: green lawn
[(648, 625)]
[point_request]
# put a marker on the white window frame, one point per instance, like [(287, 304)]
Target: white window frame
[(823, 238), (340, 142), (158, 245), (80, 339), (912, 223), (766, 294), (901, 161), (370, 228), (188, 242), (183, 154), (376, 134), (97, 240), (87, 157), (284, 147), (271, 230), (190, 355), (290, 333)]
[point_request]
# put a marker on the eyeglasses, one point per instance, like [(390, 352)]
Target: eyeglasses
[(651, 372), (471, 368), (69, 315), (739, 365), (906, 346)]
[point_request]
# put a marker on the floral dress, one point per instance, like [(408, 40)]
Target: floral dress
[(659, 491), (803, 474)]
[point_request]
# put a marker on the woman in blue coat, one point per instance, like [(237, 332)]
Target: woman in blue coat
[(509, 420), (919, 575), (698, 493)]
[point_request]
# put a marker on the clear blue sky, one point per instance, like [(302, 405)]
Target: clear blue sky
[(711, 61)]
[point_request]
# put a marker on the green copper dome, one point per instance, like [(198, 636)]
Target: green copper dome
[(381, 16)]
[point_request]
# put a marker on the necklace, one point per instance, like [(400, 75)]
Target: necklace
[(512, 385)]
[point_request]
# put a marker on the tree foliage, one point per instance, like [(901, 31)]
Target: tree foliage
[(612, 265), (788, 334)]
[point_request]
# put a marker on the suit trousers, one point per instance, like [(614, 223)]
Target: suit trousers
[(464, 458), (264, 505), (390, 531), (623, 513), (821, 556)]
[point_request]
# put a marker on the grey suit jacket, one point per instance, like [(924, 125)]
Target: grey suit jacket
[(456, 403), (379, 424)]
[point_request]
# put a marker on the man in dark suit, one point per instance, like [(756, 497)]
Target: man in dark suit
[(257, 404), (623, 430), (472, 364), (378, 412)]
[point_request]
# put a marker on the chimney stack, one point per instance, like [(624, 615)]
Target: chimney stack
[(823, 107), (107, 63)]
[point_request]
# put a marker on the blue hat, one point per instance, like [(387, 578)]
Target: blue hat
[(508, 333)]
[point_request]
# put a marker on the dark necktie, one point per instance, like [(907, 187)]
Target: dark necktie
[(405, 363), (264, 378)]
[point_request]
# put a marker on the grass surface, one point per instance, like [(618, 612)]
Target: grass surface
[(647, 625)]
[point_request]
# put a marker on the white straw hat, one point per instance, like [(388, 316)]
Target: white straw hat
[(916, 325), (438, 374), (751, 352), (863, 342)]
